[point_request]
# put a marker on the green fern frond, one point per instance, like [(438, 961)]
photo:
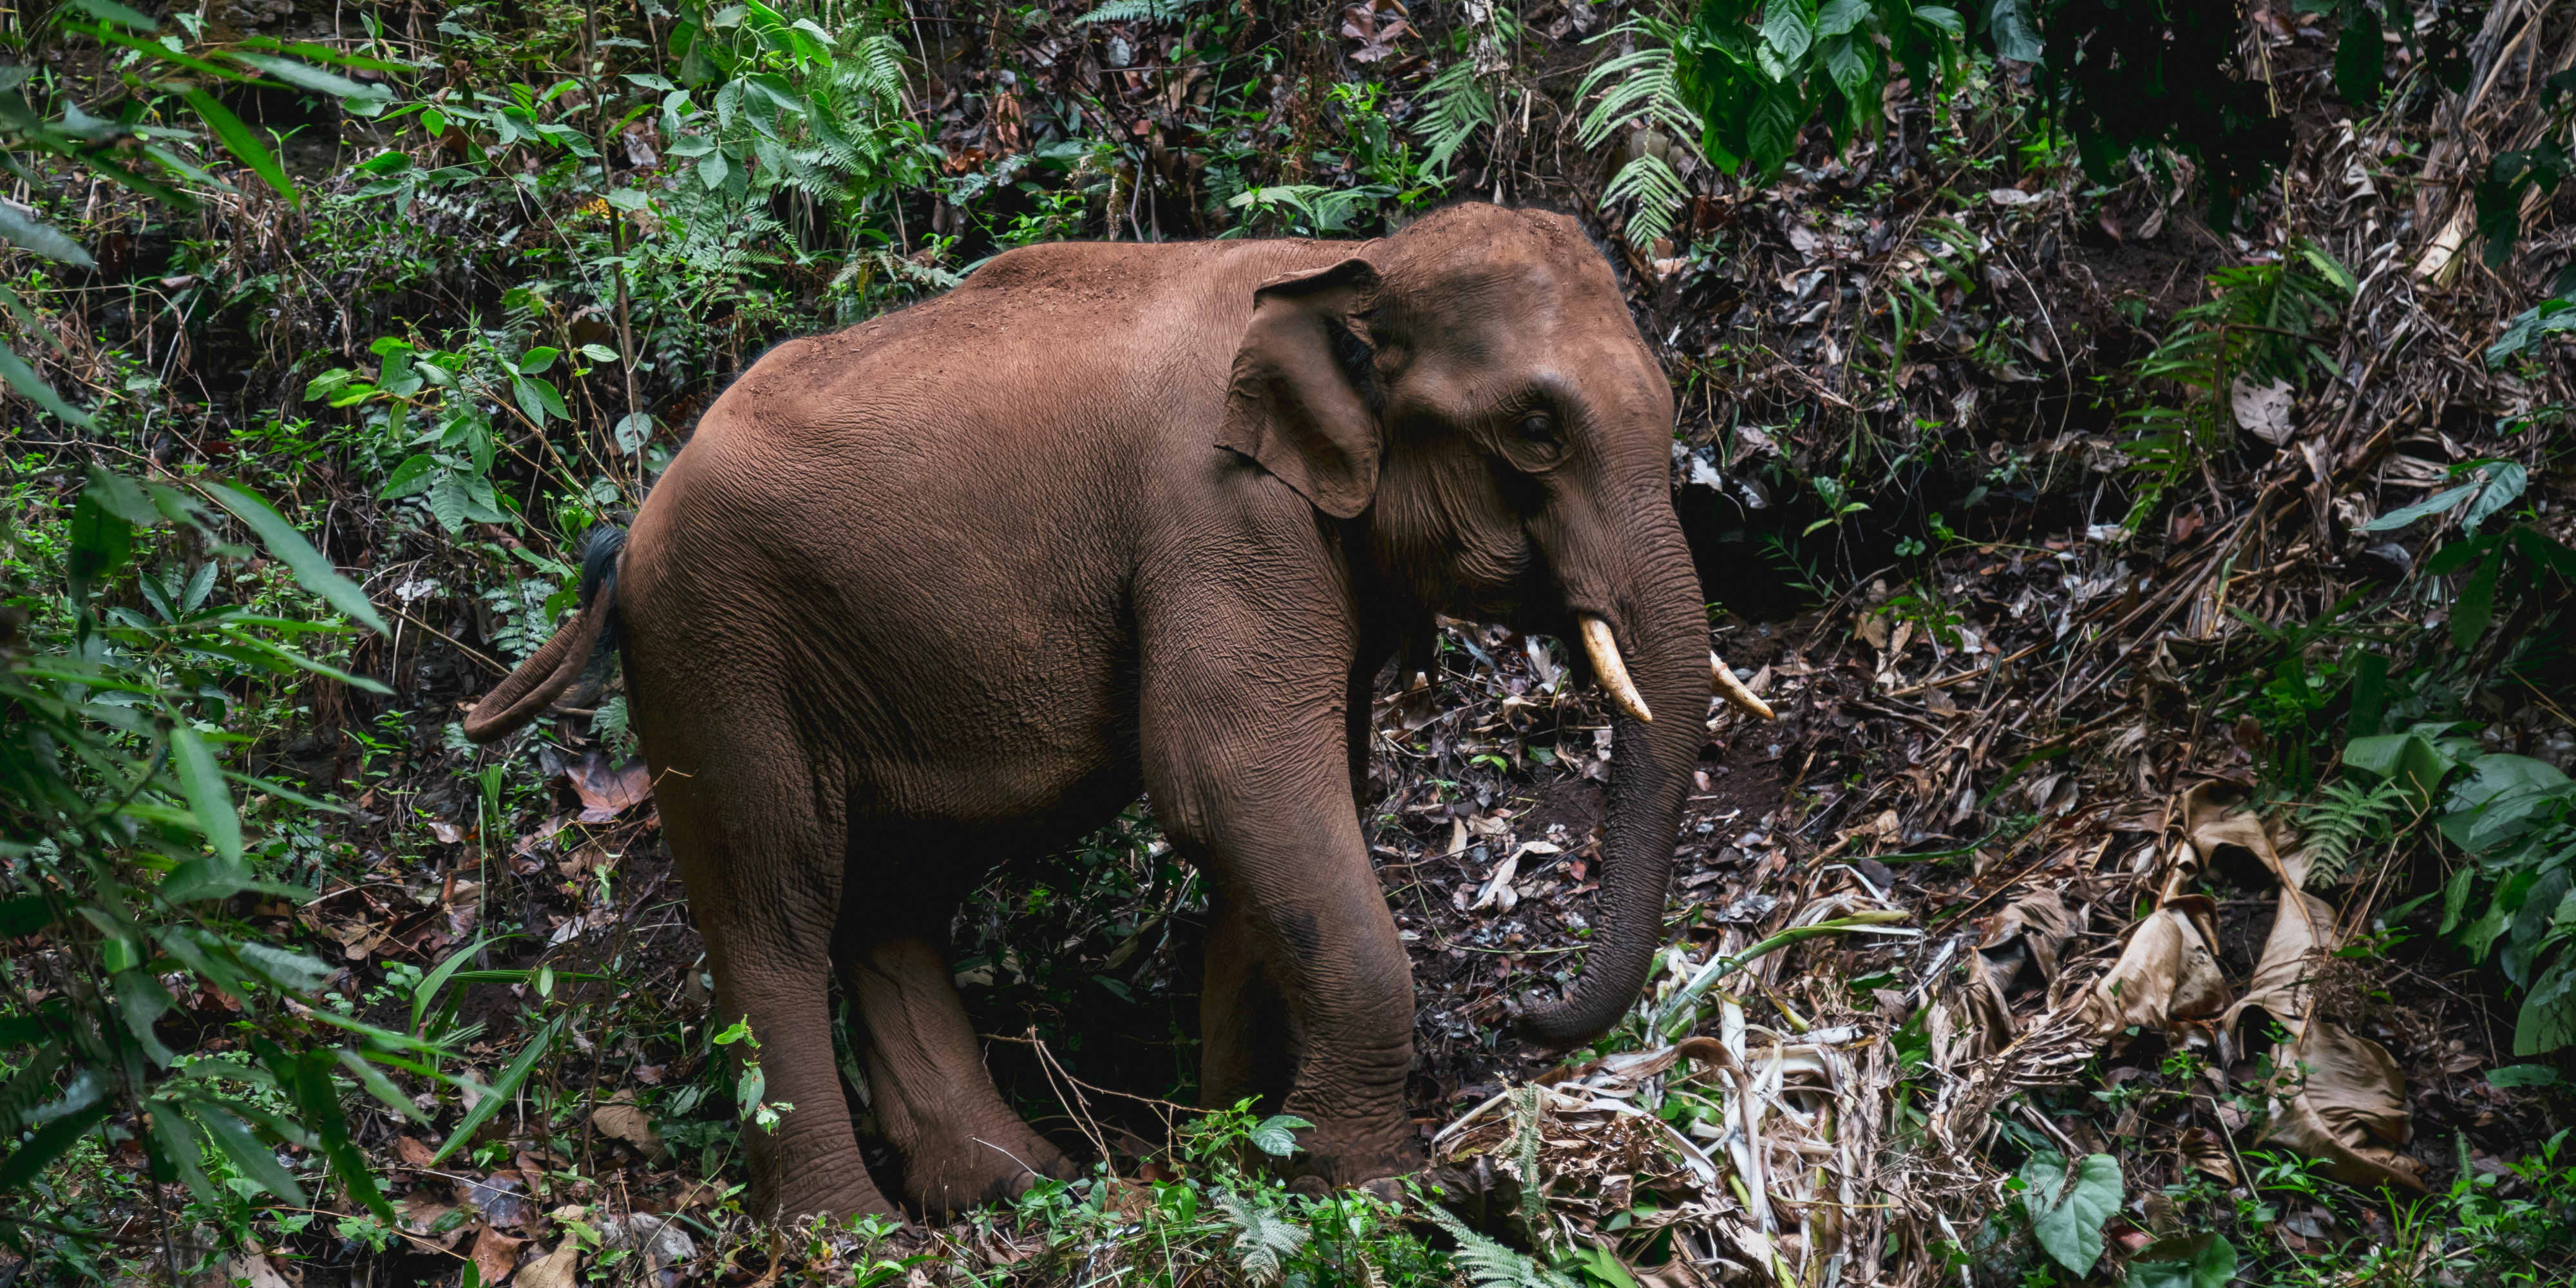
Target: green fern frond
[(1659, 194), (1489, 1264), (1455, 103), (1643, 87), (1263, 1240), (873, 67), (1139, 11), (2344, 820)]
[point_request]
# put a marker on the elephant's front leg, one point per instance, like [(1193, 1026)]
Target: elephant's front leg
[(1309, 993)]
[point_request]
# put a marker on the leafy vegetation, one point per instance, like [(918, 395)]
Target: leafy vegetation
[(331, 329)]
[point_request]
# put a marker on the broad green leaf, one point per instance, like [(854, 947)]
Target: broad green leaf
[(2475, 608), (141, 1001), (48, 1144), (1788, 28), (289, 546), (538, 359), (524, 392), (1838, 17), (208, 798), (325, 54), (2069, 1227), (2016, 35), (42, 238), (1276, 1135), (633, 431), (712, 169), (257, 1162), (2548, 1018), (2505, 481), (2359, 58), (126, 498), (33, 388), (317, 1103), (380, 1086), (2523, 1075), (306, 76), (242, 142), (447, 500), (411, 478), (2455, 896), (1771, 129), (2409, 758), (426, 991), (2438, 503), (118, 14), (289, 970), (175, 1153), (101, 543), (2199, 1261)]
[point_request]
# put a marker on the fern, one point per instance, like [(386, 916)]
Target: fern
[(1488, 1264), (1659, 193), (2259, 324), (1455, 103), (2345, 820), (1139, 11), (1263, 1240), (873, 66), (1641, 87)]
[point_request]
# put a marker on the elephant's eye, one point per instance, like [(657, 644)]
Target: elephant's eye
[(1537, 427)]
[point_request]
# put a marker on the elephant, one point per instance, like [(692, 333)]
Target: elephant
[(955, 585)]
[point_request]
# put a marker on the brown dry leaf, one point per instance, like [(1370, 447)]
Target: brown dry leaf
[(607, 790), (1989, 1011), (494, 1253), (2211, 819), (560, 1268), (2041, 920), (412, 1152), (2353, 1092), (620, 1119), (2264, 410), (2167, 973), (2303, 930), (2207, 1154)]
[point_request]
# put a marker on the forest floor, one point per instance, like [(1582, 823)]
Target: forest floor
[(2090, 913)]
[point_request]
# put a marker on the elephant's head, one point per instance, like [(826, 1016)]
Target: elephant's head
[(1473, 391)]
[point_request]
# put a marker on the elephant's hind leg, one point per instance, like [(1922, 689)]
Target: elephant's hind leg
[(961, 1144), (748, 822)]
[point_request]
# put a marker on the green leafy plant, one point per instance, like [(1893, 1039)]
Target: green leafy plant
[(2067, 1211), (2259, 328), (1757, 71), (126, 846), (1641, 89), (166, 75)]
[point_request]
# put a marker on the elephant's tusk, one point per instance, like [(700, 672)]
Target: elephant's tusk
[(1733, 690), (1604, 652)]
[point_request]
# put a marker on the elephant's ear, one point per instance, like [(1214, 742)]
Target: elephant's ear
[(1294, 404)]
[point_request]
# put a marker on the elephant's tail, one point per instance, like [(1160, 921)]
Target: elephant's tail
[(544, 677)]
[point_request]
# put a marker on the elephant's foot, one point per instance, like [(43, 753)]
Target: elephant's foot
[(1328, 1159), (832, 1184), (988, 1167)]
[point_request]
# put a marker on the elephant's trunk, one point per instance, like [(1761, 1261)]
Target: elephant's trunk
[(1661, 642)]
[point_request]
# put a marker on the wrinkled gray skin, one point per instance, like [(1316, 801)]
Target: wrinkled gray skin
[(950, 587)]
